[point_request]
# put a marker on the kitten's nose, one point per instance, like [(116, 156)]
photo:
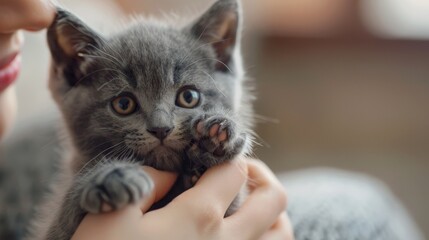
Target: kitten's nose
[(160, 132)]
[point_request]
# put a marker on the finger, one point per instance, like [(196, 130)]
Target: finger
[(267, 191), (41, 18), (260, 175), (25, 14), (120, 224), (115, 224), (216, 189), (163, 181), (281, 230)]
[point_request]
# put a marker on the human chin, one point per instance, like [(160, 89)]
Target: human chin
[(7, 109)]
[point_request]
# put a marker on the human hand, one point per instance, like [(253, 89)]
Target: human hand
[(262, 176), (199, 212)]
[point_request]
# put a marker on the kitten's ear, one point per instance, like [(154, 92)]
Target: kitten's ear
[(220, 27), (69, 40)]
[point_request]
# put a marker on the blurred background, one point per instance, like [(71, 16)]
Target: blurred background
[(341, 83)]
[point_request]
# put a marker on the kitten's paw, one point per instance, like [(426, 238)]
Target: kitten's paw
[(217, 138), (114, 187)]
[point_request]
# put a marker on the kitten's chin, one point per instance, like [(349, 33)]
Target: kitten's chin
[(164, 158)]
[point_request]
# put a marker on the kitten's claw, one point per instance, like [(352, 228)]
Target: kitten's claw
[(115, 187)]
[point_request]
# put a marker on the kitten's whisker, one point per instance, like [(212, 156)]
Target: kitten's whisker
[(196, 42), (130, 154), (204, 31), (81, 54), (108, 47), (112, 152), (106, 83), (95, 147), (214, 82), (117, 154), (266, 119), (107, 149), (120, 91), (224, 64), (96, 71), (122, 153), (256, 136), (112, 58), (213, 59), (200, 46)]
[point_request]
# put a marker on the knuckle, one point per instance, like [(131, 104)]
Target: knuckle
[(259, 164), (211, 214), (209, 218), (42, 22), (39, 21), (242, 166), (286, 235)]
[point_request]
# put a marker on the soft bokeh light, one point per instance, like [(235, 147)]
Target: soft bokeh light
[(397, 18)]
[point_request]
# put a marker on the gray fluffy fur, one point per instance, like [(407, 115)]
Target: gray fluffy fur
[(151, 61)]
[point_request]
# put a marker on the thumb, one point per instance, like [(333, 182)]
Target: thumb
[(163, 181), (115, 224)]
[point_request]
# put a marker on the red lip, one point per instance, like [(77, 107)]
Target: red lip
[(9, 70)]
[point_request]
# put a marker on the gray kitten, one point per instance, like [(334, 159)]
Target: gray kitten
[(153, 94)]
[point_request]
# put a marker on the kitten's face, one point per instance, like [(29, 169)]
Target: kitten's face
[(134, 94)]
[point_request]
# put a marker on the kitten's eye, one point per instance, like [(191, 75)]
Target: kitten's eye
[(188, 98), (124, 105)]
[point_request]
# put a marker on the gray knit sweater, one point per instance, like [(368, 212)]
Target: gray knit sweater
[(328, 204)]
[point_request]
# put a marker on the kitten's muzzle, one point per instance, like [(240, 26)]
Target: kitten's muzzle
[(160, 132)]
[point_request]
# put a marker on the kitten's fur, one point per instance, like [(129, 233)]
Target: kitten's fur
[(151, 61)]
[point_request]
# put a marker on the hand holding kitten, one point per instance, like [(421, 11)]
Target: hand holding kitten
[(198, 212)]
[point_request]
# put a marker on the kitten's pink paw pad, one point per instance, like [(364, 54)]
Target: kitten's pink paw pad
[(216, 131), (215, 139)]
